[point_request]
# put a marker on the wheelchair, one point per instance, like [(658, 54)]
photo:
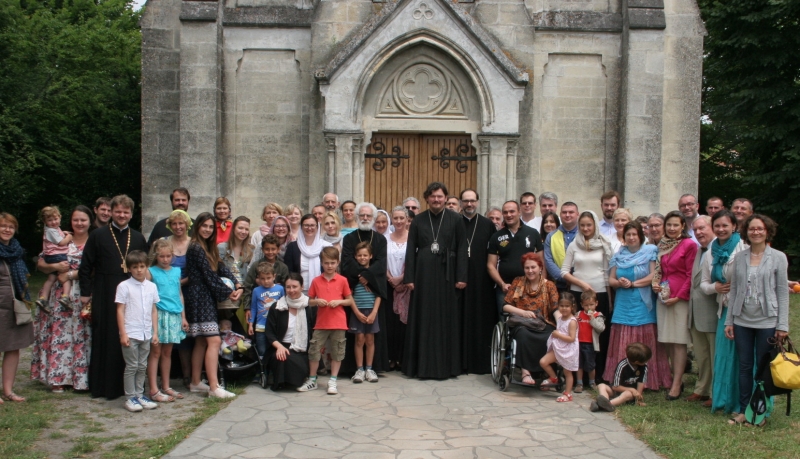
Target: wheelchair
[(504, 360)]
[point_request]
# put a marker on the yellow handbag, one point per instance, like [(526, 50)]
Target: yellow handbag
[(785, 366)]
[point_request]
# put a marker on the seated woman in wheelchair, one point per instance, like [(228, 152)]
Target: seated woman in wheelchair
[(531, 296)]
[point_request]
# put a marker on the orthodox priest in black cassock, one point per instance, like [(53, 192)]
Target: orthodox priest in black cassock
[(376, 281), (478, 309), (100, 272), (436, 259)]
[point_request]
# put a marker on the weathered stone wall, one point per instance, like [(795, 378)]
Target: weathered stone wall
[(266, 109), (231, 105), (161, 54)]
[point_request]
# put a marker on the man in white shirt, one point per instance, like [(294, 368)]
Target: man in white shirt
[(688, 206), (548, 202), (527, 209), (609, 202)]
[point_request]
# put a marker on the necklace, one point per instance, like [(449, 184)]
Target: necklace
[(435, 244), (470, 239), (127, 247), (371, 235)]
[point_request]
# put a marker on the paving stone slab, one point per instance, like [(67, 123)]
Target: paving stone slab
[(401, 417)]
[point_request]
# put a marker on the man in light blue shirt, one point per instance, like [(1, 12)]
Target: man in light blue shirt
[(609, 202), (555, 251)]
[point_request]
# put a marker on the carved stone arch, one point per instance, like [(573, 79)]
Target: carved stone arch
[(462, 61)]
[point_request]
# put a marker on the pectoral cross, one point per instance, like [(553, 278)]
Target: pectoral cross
[(469, 252), (124, 268)]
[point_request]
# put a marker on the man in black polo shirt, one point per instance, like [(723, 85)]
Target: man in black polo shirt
[(506, 248)]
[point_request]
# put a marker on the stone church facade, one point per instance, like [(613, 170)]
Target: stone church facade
[(284, 100)]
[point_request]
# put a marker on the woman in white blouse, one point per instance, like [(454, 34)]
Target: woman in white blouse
[(399, 295), (585, 267)]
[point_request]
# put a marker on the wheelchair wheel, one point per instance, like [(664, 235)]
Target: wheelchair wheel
[(262, 380), (498, 351), (504, 383)]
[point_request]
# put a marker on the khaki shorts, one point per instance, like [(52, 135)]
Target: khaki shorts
[(338, 344)]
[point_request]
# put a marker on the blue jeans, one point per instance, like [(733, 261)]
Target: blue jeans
[(261, 343), (748, 340)]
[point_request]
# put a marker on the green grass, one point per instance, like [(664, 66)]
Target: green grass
[(681, 429), (158, 447)]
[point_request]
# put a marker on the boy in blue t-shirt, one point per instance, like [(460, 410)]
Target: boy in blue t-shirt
[(363, 321), (264, 296)]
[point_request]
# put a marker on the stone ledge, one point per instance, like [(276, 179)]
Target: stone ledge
[(657, 4), (644, 18), (267, 16), (584, 21), (199, 11)]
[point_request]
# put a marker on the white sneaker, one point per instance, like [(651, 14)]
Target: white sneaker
[(132, 405), (358, 377), (219, 392), (310, 384), (372, 376), (332, 390), (202, 387), (147, 403)]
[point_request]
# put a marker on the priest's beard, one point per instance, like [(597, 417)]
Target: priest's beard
[(365, 226)]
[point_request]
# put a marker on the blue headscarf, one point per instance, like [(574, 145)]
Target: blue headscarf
[(13, 255), (722, 253), (640, 262)]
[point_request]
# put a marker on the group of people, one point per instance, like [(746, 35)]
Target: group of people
[(406, 290)]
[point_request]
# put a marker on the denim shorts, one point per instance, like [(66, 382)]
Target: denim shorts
[(52, 259), (586, 357)]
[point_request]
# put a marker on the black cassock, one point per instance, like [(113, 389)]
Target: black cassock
[(376, 279), (478, 309), (433, 335), (100, 273)]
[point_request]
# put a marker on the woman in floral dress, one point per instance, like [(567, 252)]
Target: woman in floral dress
[(62, 340)]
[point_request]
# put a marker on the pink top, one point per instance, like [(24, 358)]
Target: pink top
[(676, 268)]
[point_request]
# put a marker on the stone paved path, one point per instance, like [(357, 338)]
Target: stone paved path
[(406, 418)]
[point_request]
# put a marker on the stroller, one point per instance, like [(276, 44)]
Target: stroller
[(238, 358)]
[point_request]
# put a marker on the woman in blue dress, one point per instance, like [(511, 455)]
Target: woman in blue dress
[(634, 318)]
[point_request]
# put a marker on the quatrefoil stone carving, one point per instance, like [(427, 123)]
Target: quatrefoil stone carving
[(423, 12)]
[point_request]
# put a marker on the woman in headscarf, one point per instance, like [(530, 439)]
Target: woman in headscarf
[(302, 255), (716, 276), (634, 319), (13, 285), (270, 212), (381, 224), (585, 267), (673, 282)]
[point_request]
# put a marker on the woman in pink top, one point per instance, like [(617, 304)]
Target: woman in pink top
[(672, 282)]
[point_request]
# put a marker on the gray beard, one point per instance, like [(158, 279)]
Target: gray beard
[(365, 226)]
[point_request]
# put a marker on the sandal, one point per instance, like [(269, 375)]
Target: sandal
[(173, 393), (579, 388), (565, 397), (12, 397), (548, 383), (161, 397), (528, 380), (737, 420)]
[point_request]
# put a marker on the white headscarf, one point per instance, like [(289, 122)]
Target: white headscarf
[(311, 253), (597, 241)]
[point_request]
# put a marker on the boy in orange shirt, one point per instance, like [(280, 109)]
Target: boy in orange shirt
[(330, 293)]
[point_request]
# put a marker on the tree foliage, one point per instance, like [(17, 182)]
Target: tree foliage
[(69, 105), (751, 95)]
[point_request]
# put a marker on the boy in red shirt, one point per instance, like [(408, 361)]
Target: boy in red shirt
[(330, 293), (591, 324)]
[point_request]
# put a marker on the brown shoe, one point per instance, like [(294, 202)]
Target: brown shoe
[(707, 403), (697, 398)]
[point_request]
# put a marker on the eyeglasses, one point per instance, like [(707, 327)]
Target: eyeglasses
[(310, 226), (529, 203), (756, 230), (281, 227), (469, 201), (364, 215)]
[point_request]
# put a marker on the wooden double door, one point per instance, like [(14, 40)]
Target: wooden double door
[(400, 165)]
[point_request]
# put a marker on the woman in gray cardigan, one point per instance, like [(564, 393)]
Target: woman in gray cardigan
[(758, 301)]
